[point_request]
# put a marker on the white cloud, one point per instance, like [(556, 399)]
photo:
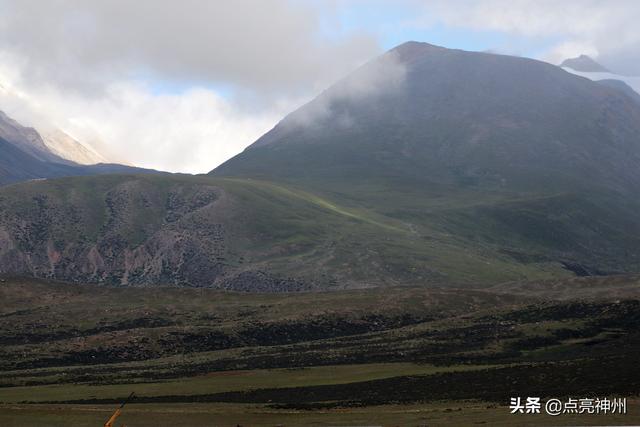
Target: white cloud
[(100, 70), (609, 30), (266, 45), (94, 68), (570, 49), (191, 132), (382, 75)]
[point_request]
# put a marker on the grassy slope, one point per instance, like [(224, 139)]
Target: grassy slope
[(460, 228), (325, 239), (463, 235), (497, 160)]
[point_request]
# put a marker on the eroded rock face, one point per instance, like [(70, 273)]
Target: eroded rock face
[(140, 236)]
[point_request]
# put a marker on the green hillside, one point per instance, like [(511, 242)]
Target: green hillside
[(426, 166), (240, 234), (510, 158)]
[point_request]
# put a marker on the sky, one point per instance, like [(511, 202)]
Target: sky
[(184, 85)]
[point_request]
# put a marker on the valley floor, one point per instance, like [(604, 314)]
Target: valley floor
[(398, 356), (193, 414)]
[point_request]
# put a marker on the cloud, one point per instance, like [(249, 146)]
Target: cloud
[(184, 85), (632, 81), (608, 30), (381, 76), (266, 45), (179, 86), (570, 49), (191, 131)]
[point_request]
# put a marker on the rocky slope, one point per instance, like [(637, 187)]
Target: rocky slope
[(124, 241), (158, 230)]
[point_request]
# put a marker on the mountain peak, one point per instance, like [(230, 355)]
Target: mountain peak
[(447, 116), (411, 49), (585, 64)]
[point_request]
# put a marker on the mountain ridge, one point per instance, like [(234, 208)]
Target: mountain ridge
[(426, 166), (50, 140), (26, 154), (484, 107)]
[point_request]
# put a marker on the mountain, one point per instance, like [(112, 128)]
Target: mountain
[(43, 140), (450, 119), (66, 147), (508, 154), (585, 64), (438, 118), (426, 166), (630, 85), (236, 234), (26, 155), (16, 165), (26, 139), (621, 86)]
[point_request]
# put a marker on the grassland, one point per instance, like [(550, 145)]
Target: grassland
[(232, 415), (395, 356), (226, 381)]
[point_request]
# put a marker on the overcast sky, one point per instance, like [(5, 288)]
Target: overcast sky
[(184, 85)]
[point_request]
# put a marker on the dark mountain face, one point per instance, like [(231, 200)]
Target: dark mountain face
[(623, 87), (584, 64), (427, 115), (505, 152), (16, 165), (26, 139)]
